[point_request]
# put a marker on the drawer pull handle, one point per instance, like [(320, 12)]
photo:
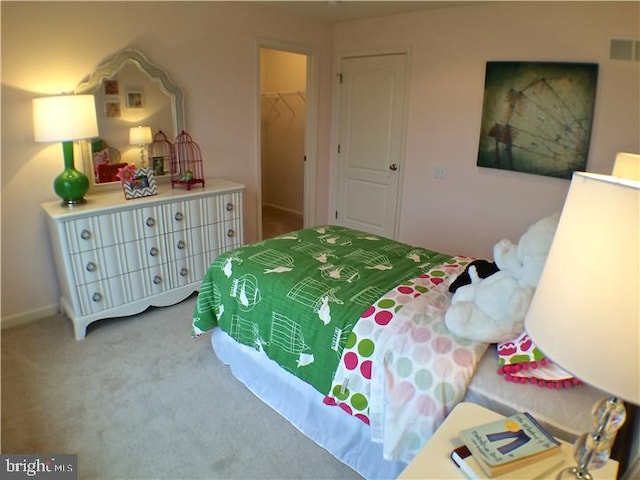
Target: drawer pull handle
[(157, 280), (96, 297), (183, 272), (230, 233), (85, 234), (91, 267), (153, 252), (150, 222), (229, 206), (181, 245), (178, 216)]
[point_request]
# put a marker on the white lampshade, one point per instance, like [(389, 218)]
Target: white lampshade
[(585, 314), (64, 118), (627, 166), (140, 135)]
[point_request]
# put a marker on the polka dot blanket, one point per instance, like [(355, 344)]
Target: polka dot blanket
[(401, 370)]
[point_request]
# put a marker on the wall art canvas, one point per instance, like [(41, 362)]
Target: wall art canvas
[(537, 117)]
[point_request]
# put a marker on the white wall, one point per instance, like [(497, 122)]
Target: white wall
[(210, 50), (469, 211)]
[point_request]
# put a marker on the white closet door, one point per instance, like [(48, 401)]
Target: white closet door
[(371, 135)]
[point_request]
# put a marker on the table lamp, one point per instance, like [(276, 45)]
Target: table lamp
[(585, 312), (140, 136), (627, 166), (65, 118)]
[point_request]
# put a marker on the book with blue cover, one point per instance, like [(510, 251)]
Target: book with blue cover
[(510, 443), (545, 468)]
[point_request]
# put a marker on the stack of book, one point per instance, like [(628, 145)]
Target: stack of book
[(503, 448)]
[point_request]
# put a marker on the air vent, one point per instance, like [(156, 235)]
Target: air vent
[(625, 49)]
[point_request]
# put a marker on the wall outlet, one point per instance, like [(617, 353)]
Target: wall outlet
[(440, 171)]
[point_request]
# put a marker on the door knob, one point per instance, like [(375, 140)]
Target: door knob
[(393, 167)]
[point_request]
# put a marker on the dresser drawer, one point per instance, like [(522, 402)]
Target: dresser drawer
[(157, 279), (230, 235), (116, 260), (82, 235), (229, 206), (179, 244), (183, 215), (144, 253), (143, 222), (98, 296), (87, 267), (183, 272), (221, 208), (92, 233)]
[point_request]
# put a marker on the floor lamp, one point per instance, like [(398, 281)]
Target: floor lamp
[(585, 314)]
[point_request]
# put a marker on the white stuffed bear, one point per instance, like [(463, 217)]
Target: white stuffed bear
[(489, 309), (492, 309), (526, 260)]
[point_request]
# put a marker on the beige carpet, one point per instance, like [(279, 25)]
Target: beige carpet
[(140, 399), (276, 222)]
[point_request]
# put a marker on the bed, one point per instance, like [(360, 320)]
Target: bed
[(342, 332)]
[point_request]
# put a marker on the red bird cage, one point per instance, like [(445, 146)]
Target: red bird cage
[(160, 154), (186, 163)]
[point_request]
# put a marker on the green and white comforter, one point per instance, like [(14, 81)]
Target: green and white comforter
[(297, 297)]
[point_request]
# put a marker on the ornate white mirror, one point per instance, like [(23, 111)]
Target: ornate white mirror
[(130, 92)]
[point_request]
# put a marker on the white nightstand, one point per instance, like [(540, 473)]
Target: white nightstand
[(433, 461)]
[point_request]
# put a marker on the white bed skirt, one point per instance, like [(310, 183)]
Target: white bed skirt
[(345, 437), (565, 412)]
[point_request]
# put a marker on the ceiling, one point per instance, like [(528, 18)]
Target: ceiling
[(335, 11)]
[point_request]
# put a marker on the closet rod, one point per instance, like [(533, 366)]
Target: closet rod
[(280, 95), (285, 92)]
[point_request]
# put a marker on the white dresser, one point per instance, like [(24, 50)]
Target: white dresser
[(117, 257)]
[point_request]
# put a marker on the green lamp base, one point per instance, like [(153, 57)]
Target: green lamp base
[(71, 185)]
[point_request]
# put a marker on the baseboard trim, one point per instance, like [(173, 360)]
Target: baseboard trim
[(28, 317), (283, 209)]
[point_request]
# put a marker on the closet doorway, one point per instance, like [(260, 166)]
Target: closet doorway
[(283, 140)]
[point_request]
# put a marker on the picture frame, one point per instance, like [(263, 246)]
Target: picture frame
[(157, 164), (135, 99), (537, 117), (142, 184), (112, 109), (111, 87)]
